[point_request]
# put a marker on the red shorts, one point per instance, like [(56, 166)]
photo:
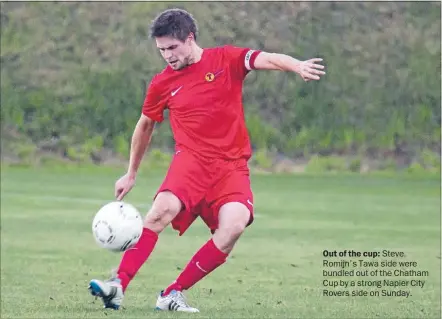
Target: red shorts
[(204, 185)]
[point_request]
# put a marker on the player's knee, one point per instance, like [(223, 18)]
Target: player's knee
[(226, 236), (236, 229), (233, 219), (164, 209)]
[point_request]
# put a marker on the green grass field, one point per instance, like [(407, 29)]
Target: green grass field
[(48, 254)]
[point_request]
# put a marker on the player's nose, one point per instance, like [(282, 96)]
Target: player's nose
[(168, 55)]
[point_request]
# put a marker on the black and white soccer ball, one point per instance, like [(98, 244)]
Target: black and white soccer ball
[(117, 226)]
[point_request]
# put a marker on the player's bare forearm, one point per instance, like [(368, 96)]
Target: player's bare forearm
[(140, 141), (277, 61), (308, 70)]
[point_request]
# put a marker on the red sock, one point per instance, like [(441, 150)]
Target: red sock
[(206, 260), (135, 257)]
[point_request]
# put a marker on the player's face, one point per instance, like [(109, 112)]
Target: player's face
[(176, 53)]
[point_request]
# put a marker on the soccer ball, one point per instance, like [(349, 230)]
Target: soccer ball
[(117, 226)]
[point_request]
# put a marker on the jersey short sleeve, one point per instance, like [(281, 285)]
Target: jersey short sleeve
[(242, 60), (154, 104)]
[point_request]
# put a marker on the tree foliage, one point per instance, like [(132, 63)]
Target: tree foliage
[(77, 72)]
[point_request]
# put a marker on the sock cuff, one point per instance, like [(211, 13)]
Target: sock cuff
[(149, 233), (219, 253)]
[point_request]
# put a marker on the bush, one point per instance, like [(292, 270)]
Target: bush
[(430, 160), (376, 97), (318, 164), (416, 168), (355, 165), (262, 159), (157, 159)]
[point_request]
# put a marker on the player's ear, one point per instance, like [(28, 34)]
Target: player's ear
[(190, 37)]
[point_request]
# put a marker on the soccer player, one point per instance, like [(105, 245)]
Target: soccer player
[(209, 175)]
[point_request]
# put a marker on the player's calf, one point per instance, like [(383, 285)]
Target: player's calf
[(233, 218)]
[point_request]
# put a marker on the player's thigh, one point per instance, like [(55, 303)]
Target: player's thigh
[(230, 201), (187, 181), (234, 217)]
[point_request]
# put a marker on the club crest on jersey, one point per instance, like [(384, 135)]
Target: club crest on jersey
[(210, 77)]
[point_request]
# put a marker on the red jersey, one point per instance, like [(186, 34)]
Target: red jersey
[(205, 102)]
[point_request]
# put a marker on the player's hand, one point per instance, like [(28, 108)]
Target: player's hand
[(123, 186), (311, 69)]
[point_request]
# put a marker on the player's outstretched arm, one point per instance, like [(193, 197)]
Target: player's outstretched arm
[(309, 70)]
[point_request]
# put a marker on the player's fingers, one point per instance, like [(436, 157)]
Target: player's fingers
[(121, 195), (313, 77), (315, 60), (318, 72), (312, 72), (315, 66), (318, 66)]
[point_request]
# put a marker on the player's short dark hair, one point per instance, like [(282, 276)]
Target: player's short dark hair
[(175, 23)]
